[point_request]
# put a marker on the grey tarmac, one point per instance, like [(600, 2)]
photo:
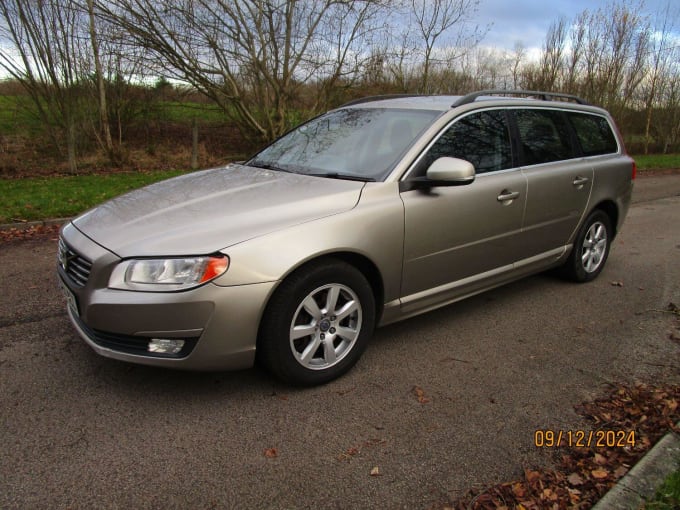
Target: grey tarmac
[(440, 403)]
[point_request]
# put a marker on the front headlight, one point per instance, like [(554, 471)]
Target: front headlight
[(171, 274)]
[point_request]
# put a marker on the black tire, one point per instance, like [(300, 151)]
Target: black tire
[(591, 248), (331, 304)]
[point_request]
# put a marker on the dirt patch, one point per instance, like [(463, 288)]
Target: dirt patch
[(654, 172), (150, 147), (33, 233)]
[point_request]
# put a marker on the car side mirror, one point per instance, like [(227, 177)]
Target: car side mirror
[(442, 172), (450, 172)]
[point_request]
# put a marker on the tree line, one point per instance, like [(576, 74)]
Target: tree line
[(269, 64)]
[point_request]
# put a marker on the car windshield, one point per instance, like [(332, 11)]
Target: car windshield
[(352, 143)]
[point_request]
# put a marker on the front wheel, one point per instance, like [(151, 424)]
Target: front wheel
[(317, 323), (591, 248)]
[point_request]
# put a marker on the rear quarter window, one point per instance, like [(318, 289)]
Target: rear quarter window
[(594, 134)]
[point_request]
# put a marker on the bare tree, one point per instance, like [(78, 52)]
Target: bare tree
[(666, 125), (105, 128), (427, 41), (574, 57), (433, 20), (252, 57), (660, 85), (603, 57), (519, 55), (47, 39), (552, 60)]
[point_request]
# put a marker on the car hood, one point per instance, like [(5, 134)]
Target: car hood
[(203, 212)]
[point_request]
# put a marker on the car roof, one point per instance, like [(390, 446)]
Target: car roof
[(442, 103)]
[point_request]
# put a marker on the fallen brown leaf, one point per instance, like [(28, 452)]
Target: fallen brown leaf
[(420, 395), (271, 453), (600, 474), (519, 490), (575, 479), (50, 233)]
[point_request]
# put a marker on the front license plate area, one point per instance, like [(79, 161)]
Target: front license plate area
[(70, 297)]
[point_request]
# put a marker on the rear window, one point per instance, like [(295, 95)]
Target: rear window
[(594, 134), (544, 136)]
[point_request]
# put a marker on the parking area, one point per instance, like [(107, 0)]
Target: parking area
[(437, 404)]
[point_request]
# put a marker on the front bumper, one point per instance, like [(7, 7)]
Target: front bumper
[(219, 324)]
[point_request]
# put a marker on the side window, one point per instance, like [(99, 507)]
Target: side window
[(544, 137), (482, 138), (594, 134)]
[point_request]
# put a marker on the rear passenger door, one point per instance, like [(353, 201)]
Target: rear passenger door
[(559, 179)]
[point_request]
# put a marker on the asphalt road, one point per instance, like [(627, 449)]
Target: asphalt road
[(80, 431)]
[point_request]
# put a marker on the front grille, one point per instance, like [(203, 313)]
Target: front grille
[(75, 266)]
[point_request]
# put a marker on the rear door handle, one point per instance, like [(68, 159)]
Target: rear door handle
[(507, 195), (580, 181)]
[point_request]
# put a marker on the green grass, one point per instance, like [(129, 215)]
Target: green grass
[(17, 116), (186, 112), (58, 197), (657, 161), (668, 495)]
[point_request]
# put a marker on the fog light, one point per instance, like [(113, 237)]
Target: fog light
[(165, 346)]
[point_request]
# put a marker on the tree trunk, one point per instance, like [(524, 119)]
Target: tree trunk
[(71, 140), (101, 85), (194, 144)]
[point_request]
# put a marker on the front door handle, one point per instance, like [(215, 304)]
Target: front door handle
[(580, 181), (507, 195)]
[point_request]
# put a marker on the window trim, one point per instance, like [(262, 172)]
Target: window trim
[(517, 161)]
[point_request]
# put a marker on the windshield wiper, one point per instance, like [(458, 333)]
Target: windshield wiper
[(349, 177), (269, 166)]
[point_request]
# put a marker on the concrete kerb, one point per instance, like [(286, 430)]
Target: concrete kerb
[(25, 225), (641, 483)]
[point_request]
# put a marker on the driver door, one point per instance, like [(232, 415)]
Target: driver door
[(458, 237)]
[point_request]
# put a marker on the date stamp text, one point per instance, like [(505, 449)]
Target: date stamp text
[(548, 438)]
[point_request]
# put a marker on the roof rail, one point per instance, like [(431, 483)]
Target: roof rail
[(369, 99), (545, 96)]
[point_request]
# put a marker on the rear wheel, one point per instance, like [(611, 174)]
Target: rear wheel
[(591, 248), (318, 323)]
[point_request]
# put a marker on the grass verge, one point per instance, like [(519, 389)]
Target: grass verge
[(58, 197), (668, 495), (657, 161)]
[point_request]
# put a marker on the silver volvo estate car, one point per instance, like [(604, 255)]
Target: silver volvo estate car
[(371, 213)]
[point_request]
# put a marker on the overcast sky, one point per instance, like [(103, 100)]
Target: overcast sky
[(527, 21)]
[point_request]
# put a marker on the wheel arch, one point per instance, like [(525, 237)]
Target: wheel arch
[(610, 208), (360, 262)]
